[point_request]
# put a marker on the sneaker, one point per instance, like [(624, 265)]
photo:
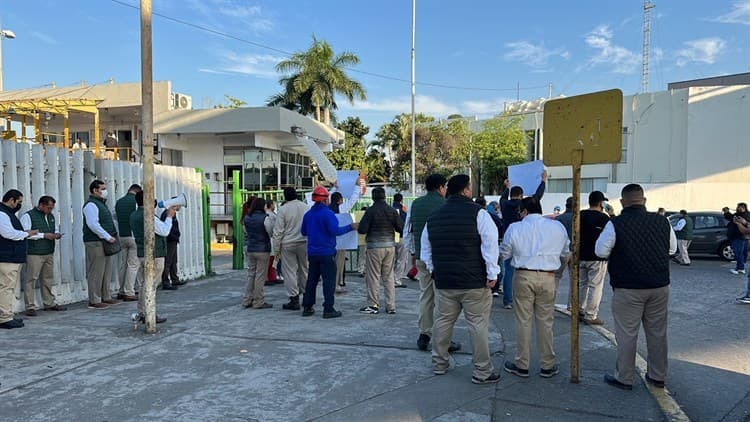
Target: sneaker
[(390, 311), (31, 312), (508, 306), (331, 314), (735, 272), (423, 342), (551, 372), (369, 310), (513, 369), (437, 371), (593, 321), (491, 379), (655, 383), (13, 323), (308, 312), (495, 294), (742, 272), (614, 382), (745, 299), (98, 305)]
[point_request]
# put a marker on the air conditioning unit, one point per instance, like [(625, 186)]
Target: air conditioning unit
[(181, 102)]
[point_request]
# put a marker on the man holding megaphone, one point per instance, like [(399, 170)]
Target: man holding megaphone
[(169, 279)]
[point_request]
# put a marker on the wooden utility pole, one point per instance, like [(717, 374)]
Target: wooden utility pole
[(147, 113), (577, 161)]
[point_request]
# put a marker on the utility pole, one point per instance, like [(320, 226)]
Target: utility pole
[(413, 94), (647, 6), (147, 114), (549, 94)]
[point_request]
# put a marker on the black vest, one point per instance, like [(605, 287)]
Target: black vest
[(257, 237), (13, 251), (456, 245), (640, 257)]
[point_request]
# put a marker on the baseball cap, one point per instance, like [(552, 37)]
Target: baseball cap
[(597, 196), (319, 194)]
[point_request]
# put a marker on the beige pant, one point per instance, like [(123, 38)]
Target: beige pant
[(257, 274), (340, 267), (534, 297), (129, 265), (294, 268), (591, 286), (402, 259), (630, 307), (476, 304), (9, 275), (98, 272), (682, 249), (361, 258), (427, 308), (380, 269), (158, 269), (39, 267)]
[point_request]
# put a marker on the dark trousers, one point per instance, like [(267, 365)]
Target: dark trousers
[(170, 264), (320, 266)]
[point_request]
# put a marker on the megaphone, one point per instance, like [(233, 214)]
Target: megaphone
[(180, 200)]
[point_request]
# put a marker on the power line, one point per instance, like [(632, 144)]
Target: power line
[(287, 53)]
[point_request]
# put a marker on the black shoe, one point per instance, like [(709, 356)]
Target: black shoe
[(308, 311), (292, 305), (655, 383), (168, 286), (493, 378), (13, 323), (332, 314), (179, 283), (454, 347), (551, 372), (423, 342), (513, 369), (142, 318), (611, 380), (31, 312)]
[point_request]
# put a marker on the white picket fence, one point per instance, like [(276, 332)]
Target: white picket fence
[(64, 175)]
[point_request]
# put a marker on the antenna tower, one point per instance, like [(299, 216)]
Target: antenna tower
[(647, 6)]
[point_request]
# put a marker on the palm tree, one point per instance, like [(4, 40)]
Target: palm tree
[(314, 77)]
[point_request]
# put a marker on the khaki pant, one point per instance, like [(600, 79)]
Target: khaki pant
[(340, 267), (9, 275), (682, 249), (294, 268), (257, 274), (534, 297), (630, 307), (98, 272), (427, 308), (379, 269), (39, 267), (158, 268), (476, 304), (591, 286), (361, 258), (129, 265), (402, 259)]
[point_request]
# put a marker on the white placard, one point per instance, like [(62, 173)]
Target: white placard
[(347, 182), (349, 240), (527, 175)]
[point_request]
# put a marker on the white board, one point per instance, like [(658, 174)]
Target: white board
[(349, 240), (527, 175)]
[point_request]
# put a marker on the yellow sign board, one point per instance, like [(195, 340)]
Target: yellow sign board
[(591, 122)]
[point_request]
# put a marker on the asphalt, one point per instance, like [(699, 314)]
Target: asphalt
[(214, 360)]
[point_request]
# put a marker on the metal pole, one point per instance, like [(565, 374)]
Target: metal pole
[(238, 262), (413, 93), (206, 221), (147, 114), (575, 265)]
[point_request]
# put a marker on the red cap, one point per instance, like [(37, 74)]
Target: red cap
[(319, 194)]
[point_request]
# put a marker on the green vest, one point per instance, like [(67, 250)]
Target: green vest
[(136, 224), (123, 208), (420, 211), (687, 232), (44, 225), (105, 220)]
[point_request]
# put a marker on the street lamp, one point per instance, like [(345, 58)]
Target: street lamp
[(5, 33)]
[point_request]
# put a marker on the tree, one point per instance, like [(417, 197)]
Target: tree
[(232, 102), (314, 77), (500, 143), (352, 155)]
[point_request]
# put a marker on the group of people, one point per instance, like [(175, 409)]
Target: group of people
[(30, 240)]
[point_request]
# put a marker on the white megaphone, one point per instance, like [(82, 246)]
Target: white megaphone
[(180, 200)]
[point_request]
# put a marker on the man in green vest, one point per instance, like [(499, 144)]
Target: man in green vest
[(161, 230), (129, 255), (684, 231), (416, 219), (41, 256), (98, 227)]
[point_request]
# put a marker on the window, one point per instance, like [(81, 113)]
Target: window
[(588, 184)]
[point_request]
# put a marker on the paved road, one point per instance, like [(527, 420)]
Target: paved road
[(709, 340)]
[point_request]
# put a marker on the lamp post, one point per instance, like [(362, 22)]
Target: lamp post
[(4, 33)]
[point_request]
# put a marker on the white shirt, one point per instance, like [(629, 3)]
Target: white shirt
[(91, 212), (26, 223), (487, 232), (535, 243), (680, 225), (7, 230), (162, 228), (607, 238)]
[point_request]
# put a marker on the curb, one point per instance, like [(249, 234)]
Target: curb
[(668, 405)]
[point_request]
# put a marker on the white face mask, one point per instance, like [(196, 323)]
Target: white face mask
[(104, 193)]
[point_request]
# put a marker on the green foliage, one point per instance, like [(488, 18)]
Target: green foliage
[(500, 143), (231, 102), (352, 155)]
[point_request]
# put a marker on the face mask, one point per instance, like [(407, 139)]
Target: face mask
[(17, 208), (104, 193)]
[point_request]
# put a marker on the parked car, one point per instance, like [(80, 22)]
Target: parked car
[(709, 234)]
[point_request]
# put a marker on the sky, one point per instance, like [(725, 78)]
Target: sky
[(471, 57)]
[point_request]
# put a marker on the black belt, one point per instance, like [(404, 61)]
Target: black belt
[(536, 271)]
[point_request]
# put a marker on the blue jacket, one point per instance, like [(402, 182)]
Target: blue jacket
[(321, 227)]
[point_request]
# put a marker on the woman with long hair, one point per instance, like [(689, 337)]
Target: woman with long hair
[(258, 231)]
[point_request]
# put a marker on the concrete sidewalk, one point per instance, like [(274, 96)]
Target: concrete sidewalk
[(214, 360)]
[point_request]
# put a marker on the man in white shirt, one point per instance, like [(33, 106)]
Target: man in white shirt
[(535, 246), (98, 227), (459, 249)]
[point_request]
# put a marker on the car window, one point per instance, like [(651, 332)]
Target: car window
[(702, 221), (717, 222)]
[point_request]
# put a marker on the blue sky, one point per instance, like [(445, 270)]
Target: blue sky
[(579, 47)]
